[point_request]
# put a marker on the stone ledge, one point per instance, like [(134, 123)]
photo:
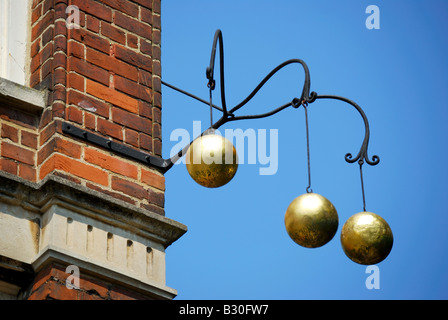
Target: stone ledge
[(36, 196), (58, 220), (23, 98)]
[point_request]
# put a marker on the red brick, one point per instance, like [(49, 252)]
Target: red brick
[(156, 6), (132, 41), (27, 172), (67, 147), (43, 292), (115, 195), (110, 95), (44, 275), (156, 21), (132, 25), (74, 114), (132, 88), (153, 179), (157, 147), (35, 78), (157, 99), (60, 77), (111, 64), (111, 163), (91, 39), (17, 153), (36, 13), (157, 115), (59, 60), (20, 118), (45, 151), (156, 131), (157, 84), (144, 109), (43, 24), (35, 48), (89, 121), (146, 47), (131, 137), (156, 68), (146, 15), (123, 6), (157, 198), (37, 2), (60, 43), (77, 168), (60, 27), (89, 70), (109, 129), (48, 5), (47, 133), (88, 103), (156, 52), (47, 36), (76, 81), (93, 24), (156, 37), (58, 109), (132, 57), (75, 49), (93, 285), (96, 9), (60, 145), (153, 208), (129, 188), (60, 291), (67, 177), (8, 165), (47, 68), (131, 120), (145, 3), (145, 142), (113, 33), (10, 133), (59, 94), (29, 139), (145, 78)]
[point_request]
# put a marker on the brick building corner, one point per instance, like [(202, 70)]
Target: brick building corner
[(79, 221)]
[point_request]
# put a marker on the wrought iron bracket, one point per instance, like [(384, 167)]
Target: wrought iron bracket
[(306, 98), (228, 115)]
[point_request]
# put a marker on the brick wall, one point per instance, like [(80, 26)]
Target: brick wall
[(103, 77), (50, 284)]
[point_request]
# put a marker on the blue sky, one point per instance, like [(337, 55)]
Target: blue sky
[(237, 246)]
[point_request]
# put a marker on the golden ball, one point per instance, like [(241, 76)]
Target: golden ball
[(366, 238), (311, 220), (212, 160)]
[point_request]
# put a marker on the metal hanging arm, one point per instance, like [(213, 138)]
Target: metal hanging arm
[(306, 97), (228, 115), (211, 69)]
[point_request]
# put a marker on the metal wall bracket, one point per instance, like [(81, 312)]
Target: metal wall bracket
[(113, 146)]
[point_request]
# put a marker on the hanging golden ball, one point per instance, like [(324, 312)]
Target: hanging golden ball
[(366, 238), (212, 160), (311, 220)]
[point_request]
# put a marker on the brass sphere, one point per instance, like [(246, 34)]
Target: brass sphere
[(311, 220), (366, 238), (212, 160)]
